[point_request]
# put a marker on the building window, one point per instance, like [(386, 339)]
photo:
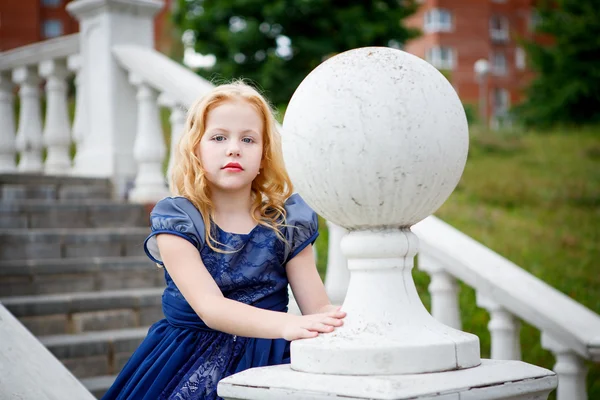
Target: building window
[(441, 57), (501, 105), (534, 20), (499, 66), (499, 28), (51, 3), (438, 20), (520, 58), (52, 28)]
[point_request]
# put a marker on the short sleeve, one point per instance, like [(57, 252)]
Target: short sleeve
[(175, 216), (302, 226)]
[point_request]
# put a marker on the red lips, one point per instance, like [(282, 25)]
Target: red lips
[(233, 166)]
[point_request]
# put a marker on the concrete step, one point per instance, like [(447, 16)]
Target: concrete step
[(86, 312), (93, 354), (22, 214), (98, 385), (37, 186), (23, 244), (31, 277)]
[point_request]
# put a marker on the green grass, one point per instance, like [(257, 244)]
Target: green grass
[(535, 199)]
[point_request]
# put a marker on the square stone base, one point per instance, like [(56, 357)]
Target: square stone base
[(493, 379)]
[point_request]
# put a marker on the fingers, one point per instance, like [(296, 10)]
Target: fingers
[(320, 327), (336, 314)]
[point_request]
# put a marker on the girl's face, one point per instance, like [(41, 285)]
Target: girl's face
[(232, 145)]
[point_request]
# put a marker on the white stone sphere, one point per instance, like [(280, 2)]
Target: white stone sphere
[(375, 137)]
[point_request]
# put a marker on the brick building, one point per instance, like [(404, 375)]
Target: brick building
[(23, 22), (457, 33)]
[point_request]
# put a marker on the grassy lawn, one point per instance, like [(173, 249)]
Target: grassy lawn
[(535, 199)]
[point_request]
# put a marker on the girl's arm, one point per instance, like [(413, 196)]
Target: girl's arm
[(306, 283), (184, 264)]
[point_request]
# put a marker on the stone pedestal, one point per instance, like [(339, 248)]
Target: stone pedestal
[(493, 379)]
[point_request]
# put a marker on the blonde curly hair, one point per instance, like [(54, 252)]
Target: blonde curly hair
[(269, 189)]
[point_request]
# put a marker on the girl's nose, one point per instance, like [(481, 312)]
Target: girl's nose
[(233, 151)]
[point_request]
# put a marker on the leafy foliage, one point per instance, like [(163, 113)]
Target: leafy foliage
[(566, 89), (277, 43)]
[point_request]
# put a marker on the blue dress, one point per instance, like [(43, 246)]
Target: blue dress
[(182, 358)]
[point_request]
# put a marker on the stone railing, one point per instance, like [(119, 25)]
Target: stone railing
[(509, 293), (51, 62), (28, 370)]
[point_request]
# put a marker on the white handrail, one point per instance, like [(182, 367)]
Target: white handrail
[(177, 82), (33, 54), (513, 288)]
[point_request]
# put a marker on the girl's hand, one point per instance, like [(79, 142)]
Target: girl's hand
[(309, 326)]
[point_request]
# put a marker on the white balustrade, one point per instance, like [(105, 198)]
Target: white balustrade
[(337, 276), (149, 148), (504, 329), (7, 125), (570, 368), (79, 121), (29, 133), (57, 129), (443, 289)]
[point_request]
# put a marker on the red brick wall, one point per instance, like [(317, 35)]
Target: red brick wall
[(21, 22), (470, 39)]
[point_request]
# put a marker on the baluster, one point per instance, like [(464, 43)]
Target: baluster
[(7, 125), (149, 147), (570, 369), (504, 329), (57, 130), (29, 133), (177, 120), (443, 289), (79, 120), (337, 276)]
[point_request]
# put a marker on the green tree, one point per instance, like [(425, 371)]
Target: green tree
[(566, 89), (277, 43)]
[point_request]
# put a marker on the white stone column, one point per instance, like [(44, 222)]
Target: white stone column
[(149, 149), (57, 130), (109, 99), (79, 120), (337, 276), (570, 368), (375, 140), (504, 329), (443, 289), (29, 134), (7, 125)]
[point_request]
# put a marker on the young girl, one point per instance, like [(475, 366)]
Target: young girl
[(230, 242)]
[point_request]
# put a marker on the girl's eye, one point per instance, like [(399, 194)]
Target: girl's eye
[(248, 140), (219, 138)]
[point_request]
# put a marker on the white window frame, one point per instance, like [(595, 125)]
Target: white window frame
[(499, 32), (438, 20), (51, 3), (501, 102), (52, 28), (499, 63), (520, 58), (441, 57)]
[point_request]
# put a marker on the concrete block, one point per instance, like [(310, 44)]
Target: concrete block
[(46, 324), (103, 320), (48, 284), (150, 315), (112, 280), (84, 367), (12, 221)]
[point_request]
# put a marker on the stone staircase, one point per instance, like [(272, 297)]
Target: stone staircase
[(73, 271)]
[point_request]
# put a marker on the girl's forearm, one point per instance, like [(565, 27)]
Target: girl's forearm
[(240, 319)]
